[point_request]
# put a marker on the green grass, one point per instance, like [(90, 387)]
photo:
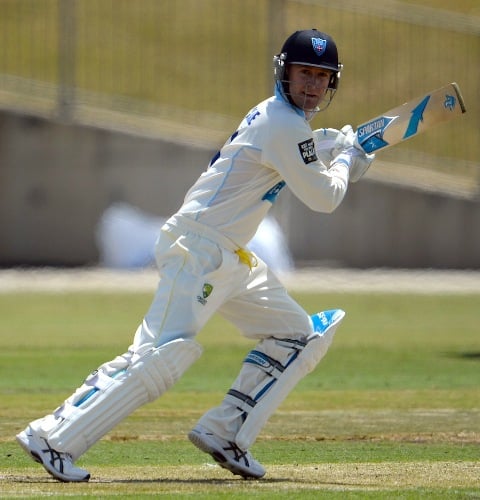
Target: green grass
[(393, 411)]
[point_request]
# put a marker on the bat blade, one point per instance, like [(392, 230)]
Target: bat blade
[(411, 118)]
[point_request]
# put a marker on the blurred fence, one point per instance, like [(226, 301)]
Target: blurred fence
[(196, 66)]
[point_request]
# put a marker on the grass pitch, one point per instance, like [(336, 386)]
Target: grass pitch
[(393, 411)]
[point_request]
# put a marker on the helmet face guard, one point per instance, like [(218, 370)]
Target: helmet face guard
[(308, 48)]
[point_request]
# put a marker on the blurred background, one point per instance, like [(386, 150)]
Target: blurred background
[(121, 103)]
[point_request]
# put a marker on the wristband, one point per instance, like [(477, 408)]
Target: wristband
[(344, 159)]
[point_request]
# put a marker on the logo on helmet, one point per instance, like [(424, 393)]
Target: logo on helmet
[(319, 45)]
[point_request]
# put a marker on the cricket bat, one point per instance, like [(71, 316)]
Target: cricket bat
[(411, 118)]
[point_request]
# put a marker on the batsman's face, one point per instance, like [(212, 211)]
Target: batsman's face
[(308, 85)]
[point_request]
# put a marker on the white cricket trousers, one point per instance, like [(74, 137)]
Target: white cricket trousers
[(201, 274)]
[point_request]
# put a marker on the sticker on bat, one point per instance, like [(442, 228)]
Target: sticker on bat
[(416, 118), (450, 102), (370, 134)]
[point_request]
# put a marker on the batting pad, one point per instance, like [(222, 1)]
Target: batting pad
[(324, 325), (108, 399)]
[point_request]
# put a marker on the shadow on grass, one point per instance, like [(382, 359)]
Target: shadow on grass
[(173, 481), (464, 355)]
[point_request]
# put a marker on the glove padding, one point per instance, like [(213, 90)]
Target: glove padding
[(325, 141), (346, 143)]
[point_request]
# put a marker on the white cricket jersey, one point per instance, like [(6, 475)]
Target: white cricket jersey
[(273, 147)]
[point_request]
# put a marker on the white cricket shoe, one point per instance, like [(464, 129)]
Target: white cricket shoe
[(226, 453), (58, 464)]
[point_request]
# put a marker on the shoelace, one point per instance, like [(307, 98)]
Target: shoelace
[(239, 453)]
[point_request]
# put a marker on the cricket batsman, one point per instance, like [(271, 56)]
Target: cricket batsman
[(205, 267)]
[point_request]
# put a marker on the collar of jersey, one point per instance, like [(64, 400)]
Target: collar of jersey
[(280, 95)]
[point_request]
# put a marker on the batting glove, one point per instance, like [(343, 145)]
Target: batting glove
[(325, 142), (346, 143)]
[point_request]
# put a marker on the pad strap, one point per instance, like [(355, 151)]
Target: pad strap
[(242, 401), (264, 362)]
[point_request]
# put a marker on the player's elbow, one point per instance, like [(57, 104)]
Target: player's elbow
[(325, 206), (324, 196), (328, 202)]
